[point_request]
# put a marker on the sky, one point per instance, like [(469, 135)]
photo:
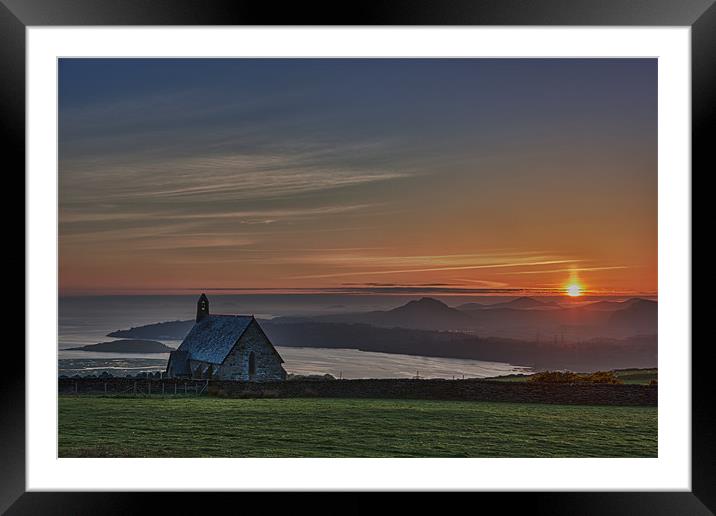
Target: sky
[(462, 176)]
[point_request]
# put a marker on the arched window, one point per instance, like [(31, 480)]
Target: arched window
[(252, 364)]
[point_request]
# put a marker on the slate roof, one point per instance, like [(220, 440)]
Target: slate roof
[(211, 339)]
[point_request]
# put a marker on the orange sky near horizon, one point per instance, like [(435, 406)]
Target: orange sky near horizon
[(494, 185)]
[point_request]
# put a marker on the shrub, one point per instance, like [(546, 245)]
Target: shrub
[(570, 377), (310, 377), (555, 377), (603, 377)]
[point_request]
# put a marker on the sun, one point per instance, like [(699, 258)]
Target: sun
[(574, 290)]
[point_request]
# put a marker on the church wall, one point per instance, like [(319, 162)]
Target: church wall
[(193, 364), (267, 365)]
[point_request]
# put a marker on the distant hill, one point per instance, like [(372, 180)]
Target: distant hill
[(521, 303), (127, 346), (579, 338), (604, 305), (470, 306), (641, 316), (171, 330), (614, 305), (424, 314), (587, 355), (522, 318)]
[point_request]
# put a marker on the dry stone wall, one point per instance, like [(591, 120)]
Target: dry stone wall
[(466, 390), (463, 390)]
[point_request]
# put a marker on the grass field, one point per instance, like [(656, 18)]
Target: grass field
[(93, 426)]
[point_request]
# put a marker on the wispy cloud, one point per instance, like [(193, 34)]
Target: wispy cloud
[(570, 269), (227, 178), (456, 261), (244, 216), (497, 265), (143, 198)]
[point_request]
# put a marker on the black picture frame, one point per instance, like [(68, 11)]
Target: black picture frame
[(17, 15)]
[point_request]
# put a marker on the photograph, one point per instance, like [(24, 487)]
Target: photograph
[(357, 257), (419, 247)]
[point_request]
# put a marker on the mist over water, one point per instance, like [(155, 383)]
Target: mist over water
[(87, 320)]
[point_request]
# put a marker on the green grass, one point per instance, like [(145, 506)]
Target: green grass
[(92, 426)]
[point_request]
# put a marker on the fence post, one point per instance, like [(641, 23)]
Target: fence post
[(75, 387), (105, 387), (184, 387), (149, 388), (135, 388), (162, 388), (175, 388)]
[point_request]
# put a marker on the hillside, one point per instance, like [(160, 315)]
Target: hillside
[(171, 330), (422, 314), (127, 346), (523, 318), (572, 338), (521, 303), (641, 316), (586, 355)]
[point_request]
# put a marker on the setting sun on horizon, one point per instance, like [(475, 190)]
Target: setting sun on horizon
[(574, 290)]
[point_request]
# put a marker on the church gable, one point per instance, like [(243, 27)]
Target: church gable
[(253, 358)]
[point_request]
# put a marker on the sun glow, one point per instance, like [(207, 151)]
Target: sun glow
[(574, 290)]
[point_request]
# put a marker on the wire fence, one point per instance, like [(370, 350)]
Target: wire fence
[(126, 387)]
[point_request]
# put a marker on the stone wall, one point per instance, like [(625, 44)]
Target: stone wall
[(197, 364), (463, 390), (466, 390), (267, 365)]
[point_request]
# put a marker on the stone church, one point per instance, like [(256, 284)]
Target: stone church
[(225, 347)]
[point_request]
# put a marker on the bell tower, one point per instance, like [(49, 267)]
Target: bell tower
[(202, 307)]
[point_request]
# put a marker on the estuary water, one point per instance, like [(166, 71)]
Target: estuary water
[(87, 320)]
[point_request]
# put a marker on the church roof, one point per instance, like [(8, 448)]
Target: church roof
[(212, 338)]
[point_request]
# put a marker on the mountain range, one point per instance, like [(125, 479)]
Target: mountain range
[(522, 318), (526, 331)]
